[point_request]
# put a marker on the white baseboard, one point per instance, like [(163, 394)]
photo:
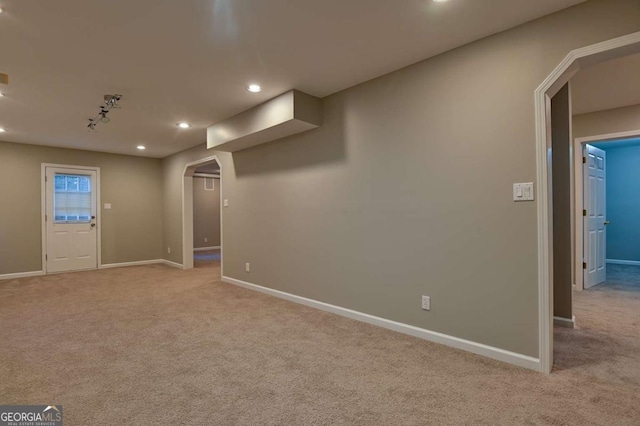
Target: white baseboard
[(623, 262), (21, 275), (206, 248), (172, 264), (432, 336), (126, 264), (141, 262), (565, 322), (105, 266)]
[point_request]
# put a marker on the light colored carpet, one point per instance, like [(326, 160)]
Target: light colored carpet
[(156, 345), (606, 343)]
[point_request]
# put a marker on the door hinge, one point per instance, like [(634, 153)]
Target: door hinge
[(584, 160), (584, 212), (584, 265)]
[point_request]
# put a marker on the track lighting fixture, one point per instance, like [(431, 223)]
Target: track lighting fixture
[(110, 102), (103, 115)]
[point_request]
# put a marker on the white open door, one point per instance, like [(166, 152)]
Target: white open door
[(70, 218), (594, 175)]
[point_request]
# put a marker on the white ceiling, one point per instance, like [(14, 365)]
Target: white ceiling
[(607, 85), (191, 59)]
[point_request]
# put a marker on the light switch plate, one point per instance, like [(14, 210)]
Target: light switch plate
[(226, 203), (107, 206), (523, 191)]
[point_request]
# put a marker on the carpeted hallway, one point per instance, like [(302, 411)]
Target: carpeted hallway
[(205, 259), (156, 345)]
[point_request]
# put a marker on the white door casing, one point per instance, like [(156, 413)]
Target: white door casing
[(187, 211), (570, 65), (594, 190), (71, 241)]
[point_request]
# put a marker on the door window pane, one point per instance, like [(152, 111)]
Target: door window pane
[(72, 198)]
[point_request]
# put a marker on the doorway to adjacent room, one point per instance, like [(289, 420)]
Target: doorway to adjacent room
[(71, 237), (202, 214)]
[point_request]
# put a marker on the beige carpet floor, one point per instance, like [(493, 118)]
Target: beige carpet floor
[(154, 345)]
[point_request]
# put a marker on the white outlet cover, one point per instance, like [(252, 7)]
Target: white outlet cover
[(426, 303), (226, 203)]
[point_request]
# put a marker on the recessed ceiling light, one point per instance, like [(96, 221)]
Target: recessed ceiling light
[(254, 88), (439, 1), (2, 130), (141, 147), (1, 94), (184, 125)]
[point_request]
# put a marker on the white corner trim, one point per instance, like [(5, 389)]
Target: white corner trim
[(623, 262), (565, 322), (206, 248), (172, 264), (21, 275), (432, 336)]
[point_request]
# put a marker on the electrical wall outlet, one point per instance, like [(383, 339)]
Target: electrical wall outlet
[(247, 267), (426, 303), (169, 250), (206, 240)]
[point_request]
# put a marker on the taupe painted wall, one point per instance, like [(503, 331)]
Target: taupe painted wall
[(616, 120), (131, 231), (562, 243), (206, 214), (406, 188)]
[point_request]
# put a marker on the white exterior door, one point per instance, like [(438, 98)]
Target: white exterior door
[(594, 173), (70, 218)]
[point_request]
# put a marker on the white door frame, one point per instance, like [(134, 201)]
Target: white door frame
[(43, 212), (187, 212), (576, 59), (579, 198)]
